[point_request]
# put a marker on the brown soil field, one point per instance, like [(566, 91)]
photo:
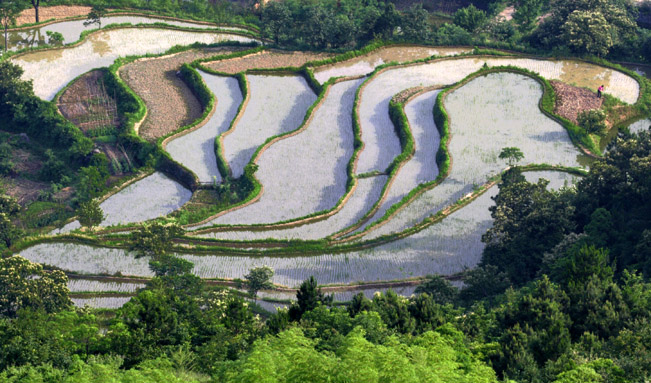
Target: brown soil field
[(572, 100), (24, 190), (87, 105), (270, 59), (57, 12), (170, 103)]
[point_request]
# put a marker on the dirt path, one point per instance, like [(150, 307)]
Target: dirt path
[(57, 12), (170, 103)]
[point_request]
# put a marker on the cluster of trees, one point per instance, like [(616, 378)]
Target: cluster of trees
[(594, 27)]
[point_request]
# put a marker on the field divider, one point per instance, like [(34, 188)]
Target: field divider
[(317, 216), (403, 131), (443, 157)]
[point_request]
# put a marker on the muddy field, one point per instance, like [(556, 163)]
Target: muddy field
[(87, 105), (57, 12), (266, 60), (170, 103), (571, 100)]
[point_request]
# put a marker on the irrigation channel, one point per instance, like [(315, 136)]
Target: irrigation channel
[(335, 167)]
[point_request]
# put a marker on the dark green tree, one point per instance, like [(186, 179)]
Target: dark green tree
[(258, 278), (593, 121), (154, 238), (95, 15), (439, 289), (511, 154), (308, 297)]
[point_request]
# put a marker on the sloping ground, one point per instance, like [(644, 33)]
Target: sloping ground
[(52, 69), (366, 193), (277, 104), (422, 166), (153, 196), (196, 150), (381, 144), (572, 100), (487, 114), (268, 59), (170, 103), (56, 12), (86, 103), (305, 173), (367, 63)]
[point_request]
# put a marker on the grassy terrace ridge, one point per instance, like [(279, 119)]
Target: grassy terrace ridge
[(641, 106)]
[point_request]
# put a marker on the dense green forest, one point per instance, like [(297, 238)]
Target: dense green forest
[(562, 293)]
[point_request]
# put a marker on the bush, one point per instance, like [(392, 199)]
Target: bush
[(593, 121)]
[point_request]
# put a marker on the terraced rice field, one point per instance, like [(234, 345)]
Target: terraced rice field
[(276, 105), (421, 168), (305, 173), (368, 192), (89, 285), (640, 126), (170, 103), (488, 114), (363, 65), (51, 70), (268, 59), (557, 180), (71, 30), (101, 302), (196, 150), (151, 197), (447, 247)]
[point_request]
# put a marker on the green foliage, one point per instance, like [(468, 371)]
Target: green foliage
[(257, 279), (511, 155), (439, 289), (308, 297), (24, 284), (92, 182), (470, 18), (528, 219), (89, 213), (526, 13), (169, 265), (54, 38), (593, 121), (154, 238), (95, 15)]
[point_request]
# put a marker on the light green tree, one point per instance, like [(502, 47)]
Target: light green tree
[(90, 214), (154, 238), (25, 284)]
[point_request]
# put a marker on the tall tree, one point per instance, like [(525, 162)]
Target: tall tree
[(9, 10), (90, 214), (36, 4), (95, 15), (308, 297)]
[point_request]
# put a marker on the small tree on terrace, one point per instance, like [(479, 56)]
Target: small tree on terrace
[(511, 155), (95, 16), (90, 214), (155, 238), (257, 279), (9, 10)]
